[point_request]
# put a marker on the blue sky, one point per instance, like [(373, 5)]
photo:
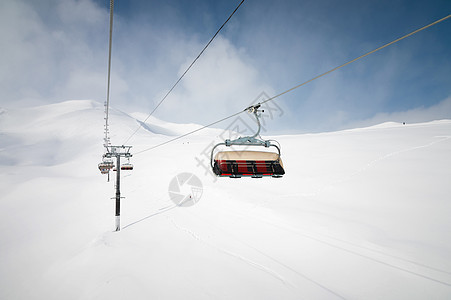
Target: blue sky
[(57, 50)]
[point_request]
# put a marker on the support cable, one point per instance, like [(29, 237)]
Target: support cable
[(360, 57), (107, 103), (189, 133), (184, 73), (304, 83)]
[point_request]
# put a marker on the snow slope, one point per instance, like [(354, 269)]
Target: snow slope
[(360, 214)]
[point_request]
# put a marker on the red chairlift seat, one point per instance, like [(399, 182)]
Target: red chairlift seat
[(127, 167), (255, 164)]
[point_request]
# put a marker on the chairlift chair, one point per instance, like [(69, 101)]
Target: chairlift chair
[(127, 167), (105, 166), (255, 164)]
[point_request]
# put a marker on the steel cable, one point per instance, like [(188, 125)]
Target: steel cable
[(304, 83), (184, 73)]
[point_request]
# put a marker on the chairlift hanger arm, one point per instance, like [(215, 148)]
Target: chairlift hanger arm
[(255, 110)]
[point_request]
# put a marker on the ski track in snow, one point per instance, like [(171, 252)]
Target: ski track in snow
[(383, 253), (250, 262), (325, 236), (272, 258), (354, 252), (369, 165), (235, 255), (160, 211), (389, 155)]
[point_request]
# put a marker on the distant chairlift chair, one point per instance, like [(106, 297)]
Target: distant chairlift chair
[(105, 166)]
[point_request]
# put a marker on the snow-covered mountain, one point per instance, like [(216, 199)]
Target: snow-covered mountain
[(360, 214)]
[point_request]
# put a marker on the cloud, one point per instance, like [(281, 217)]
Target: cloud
[(56, 50), (43, 51), (221, 83)]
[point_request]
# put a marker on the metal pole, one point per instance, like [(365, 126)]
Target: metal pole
[(118, 193)]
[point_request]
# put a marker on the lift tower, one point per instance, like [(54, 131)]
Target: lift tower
[(118, 152)]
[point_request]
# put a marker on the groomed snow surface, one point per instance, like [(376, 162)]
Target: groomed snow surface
[(360, 214)]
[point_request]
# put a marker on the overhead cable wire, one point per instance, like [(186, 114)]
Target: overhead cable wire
[(304, 83), (184, 73), (107, 103), (189, 133), (356, 59)]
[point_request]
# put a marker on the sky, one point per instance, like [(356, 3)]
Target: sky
[(57, 50)]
